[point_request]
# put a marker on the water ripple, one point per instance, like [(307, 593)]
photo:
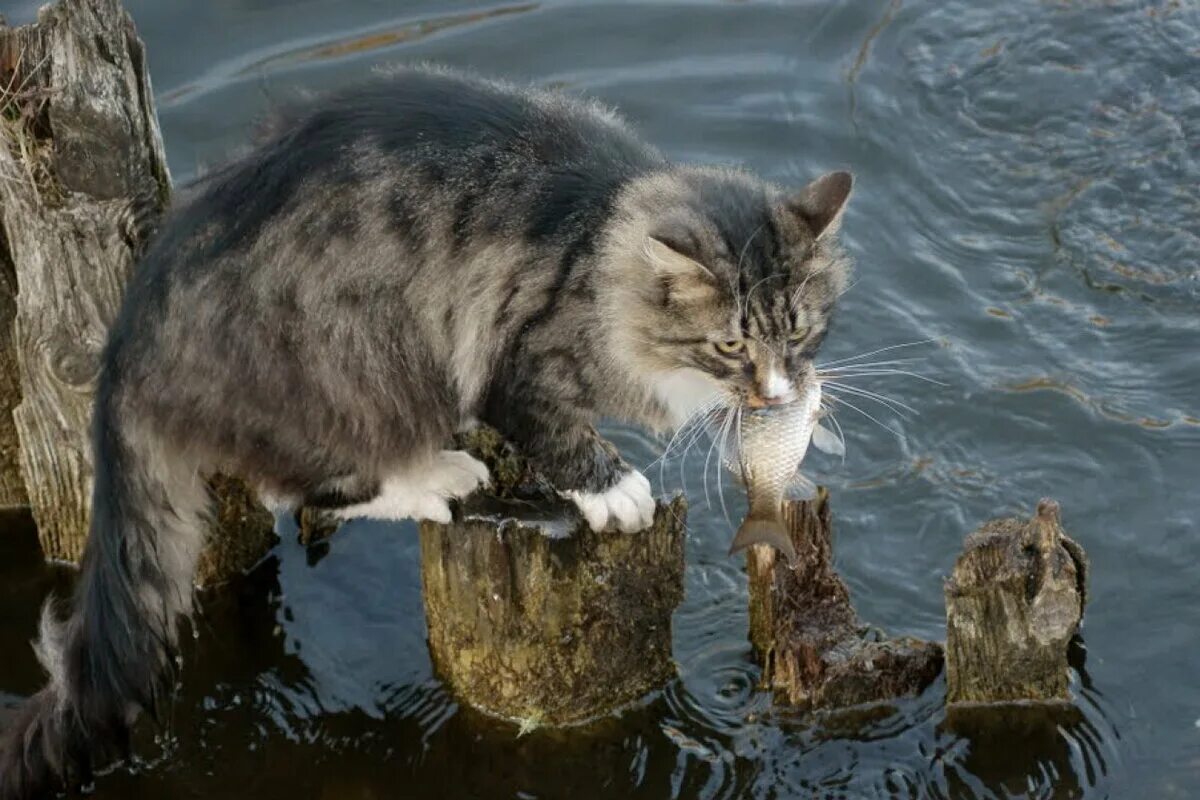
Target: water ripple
[(1027, 197)]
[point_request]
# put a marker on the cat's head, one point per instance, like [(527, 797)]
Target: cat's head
[(731, 277)]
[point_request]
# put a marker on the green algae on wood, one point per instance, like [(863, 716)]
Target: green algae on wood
[(547, 629), (534, 617), (245, 532)]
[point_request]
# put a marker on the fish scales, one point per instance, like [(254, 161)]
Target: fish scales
[(771, 445)]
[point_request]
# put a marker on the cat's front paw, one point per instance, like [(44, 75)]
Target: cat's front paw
[(628, 505)]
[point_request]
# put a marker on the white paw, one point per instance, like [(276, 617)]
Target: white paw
[(400, 498), (423, 492), (627, 506), (278, 503), (456, 473)]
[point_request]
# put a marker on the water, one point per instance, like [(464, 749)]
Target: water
[(1027, 199)]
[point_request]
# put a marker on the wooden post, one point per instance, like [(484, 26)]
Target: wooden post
[(83, 179), (815, 651), (534, 617), (1013, 604), (12, 483)]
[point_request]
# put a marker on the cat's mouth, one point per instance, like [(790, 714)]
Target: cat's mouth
[(777, 392), (757, 400)]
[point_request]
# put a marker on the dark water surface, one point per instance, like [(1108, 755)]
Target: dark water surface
[(1028, 199)]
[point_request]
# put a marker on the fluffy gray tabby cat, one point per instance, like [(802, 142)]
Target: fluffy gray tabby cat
[(406, 256)]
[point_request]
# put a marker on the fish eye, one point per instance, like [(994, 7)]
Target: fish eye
[(730, 347)]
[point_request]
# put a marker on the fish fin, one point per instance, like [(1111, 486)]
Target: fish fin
[(760, 530), (801, 488), (824, 440)]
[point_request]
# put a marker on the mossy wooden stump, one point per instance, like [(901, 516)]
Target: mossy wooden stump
[(816, 653), (534, 617), (1013, 604)]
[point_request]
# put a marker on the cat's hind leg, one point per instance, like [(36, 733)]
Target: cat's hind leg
[(333, 493), (422, 490)]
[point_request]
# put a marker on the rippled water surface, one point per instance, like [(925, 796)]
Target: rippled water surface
[(1028, 200)]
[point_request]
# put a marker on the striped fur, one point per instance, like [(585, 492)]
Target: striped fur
[(322, 313)]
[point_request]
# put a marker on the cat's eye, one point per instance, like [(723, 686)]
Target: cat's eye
[(730, 347), (798, 335)]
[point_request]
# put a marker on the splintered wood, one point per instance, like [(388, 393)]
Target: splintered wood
[(78, 141), (1013, 604), (83, 179), (816, 653)]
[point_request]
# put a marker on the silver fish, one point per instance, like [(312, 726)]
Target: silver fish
[(772, 443)]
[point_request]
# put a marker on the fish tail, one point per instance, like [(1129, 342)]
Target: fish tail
[(764, 529)]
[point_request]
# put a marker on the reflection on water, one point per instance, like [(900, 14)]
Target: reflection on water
[(1027, 200)]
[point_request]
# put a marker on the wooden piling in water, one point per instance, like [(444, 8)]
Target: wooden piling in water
[(522, 623), (1013, 603), (534, 617), (816, 653), (83, 179)]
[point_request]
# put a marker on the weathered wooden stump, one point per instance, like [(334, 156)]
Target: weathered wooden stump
[(816, 653), (242, 533), (83, 179), (1013, 604), (534, 617), (12, 484)]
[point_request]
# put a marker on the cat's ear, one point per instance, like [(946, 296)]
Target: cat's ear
[(820, 204), (688, 279), (668, 257)]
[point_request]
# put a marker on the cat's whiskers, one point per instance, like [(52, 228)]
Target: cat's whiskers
[(716, 439), (701, 429), (848, 404), (897, 407), (737, 429), (746, 246), (735, 426), (891, 362), (754, 288), (690, 424), (743, 309), (834, 376), (795, 298), (874, 352), (691, 429), (880, 373)]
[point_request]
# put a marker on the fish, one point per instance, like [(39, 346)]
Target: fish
[(771, 445)]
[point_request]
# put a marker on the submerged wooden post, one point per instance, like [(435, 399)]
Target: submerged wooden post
[(816, 653), (534, 617), (1013, 604), (83, 179)]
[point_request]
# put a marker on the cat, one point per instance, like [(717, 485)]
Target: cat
[(400, 258)]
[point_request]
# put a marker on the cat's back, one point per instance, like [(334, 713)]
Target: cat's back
[(445, 123), (398, 178), (420, 111), (410, 142)]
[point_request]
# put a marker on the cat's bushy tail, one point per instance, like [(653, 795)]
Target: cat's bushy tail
[(109, 660)]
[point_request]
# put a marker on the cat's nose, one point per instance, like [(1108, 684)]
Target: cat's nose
[(776, 389)]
